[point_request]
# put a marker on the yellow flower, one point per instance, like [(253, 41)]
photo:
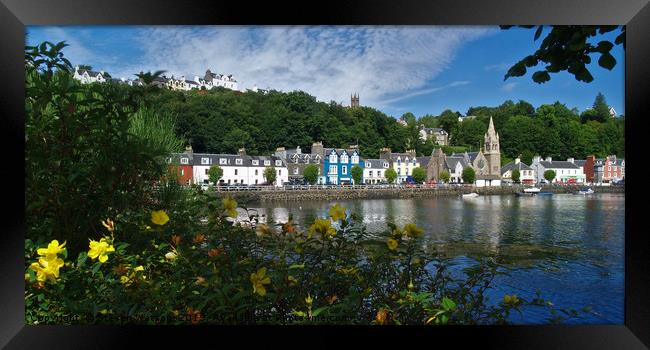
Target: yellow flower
[(100, 249), (53, 248), (391, 243), (109, 224), (47, 268), (309, 300), (411, 230), (324, 227), (159, 217), (170, 256), (259, 279), (262, 229), (139, 268), (292, 281), (337, 212), (510, 299), (230, 207)]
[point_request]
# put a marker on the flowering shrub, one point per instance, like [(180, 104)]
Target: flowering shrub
[(253, 273)]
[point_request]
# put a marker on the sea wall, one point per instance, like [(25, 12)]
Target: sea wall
[(390, 193)]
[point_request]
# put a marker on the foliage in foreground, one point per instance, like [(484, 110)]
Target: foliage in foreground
[(252, 273)]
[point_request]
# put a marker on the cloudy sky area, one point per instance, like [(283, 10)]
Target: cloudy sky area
[(419, 69)]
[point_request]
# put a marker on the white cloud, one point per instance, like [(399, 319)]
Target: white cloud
[(498, 67), (378, 62), (508, 87)]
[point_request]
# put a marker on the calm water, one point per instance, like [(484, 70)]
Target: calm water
[(569, 247)]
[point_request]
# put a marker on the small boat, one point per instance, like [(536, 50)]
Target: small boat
[(532, 190), (524, 194), (545, 193), (586, 191), (470, 195)]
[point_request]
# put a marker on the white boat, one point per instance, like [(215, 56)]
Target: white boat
[(470, 195), (532, 190), (586, 191)]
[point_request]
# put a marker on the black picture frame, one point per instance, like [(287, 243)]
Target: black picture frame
[(16, 14)]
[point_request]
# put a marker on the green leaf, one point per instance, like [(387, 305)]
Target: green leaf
[(96, 267), (318, 311), (541, 77), (448, 304), (297, 266), (538, 32), (81, 260), (607, 61), (604, 46)]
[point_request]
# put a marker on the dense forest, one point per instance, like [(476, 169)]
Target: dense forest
[(221, 121)]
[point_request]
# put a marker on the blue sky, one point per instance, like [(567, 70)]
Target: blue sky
[(396, 69)]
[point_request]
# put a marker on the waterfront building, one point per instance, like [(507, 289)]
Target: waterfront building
[(455, 165), (438, 135), (180, 165), (613, 169), (374, 171), (338, 163), (565, 171), (297, 161), (526, 173), (238, 168), (488, 171), (402, 163)]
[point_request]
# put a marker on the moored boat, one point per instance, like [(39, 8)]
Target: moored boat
[(470, 195), (532, 190), (586, 191)]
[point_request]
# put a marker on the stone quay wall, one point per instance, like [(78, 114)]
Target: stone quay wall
[(390, 193)]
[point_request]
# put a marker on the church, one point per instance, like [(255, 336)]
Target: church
[(486, 162)]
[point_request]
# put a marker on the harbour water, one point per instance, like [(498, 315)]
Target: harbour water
[(570, 248)]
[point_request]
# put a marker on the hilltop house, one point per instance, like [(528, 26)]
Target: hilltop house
[(438, 135), (86, 76)]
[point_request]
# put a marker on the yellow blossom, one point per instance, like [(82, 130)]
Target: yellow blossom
[(100, 249), (109, 224), (53, 248), (292, 280), (411, 230), (259, 279), (47, 272), (510, 299), (309, 300), (262, 229), (391, 243), (337, 212), (230, 207), (170, 256), (159, 217), (324, 227)]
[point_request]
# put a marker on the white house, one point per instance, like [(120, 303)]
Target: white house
[(455, 165), (238, 168), (86, 76), (375, 171), (526, 173), (565, 171)]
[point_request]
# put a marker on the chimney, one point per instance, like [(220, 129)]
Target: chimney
[(549, 159), (317, 148), (384, 153), (188, 149), (241, 152), (354, 147), (517, 160), (298, 150), (570, 160), (537, 159), (196, 78)]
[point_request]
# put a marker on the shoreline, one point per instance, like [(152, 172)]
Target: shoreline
[(282, 195)]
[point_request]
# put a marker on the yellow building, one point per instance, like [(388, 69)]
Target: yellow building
[(402, 163)]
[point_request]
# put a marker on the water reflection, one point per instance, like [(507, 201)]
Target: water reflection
[(568, 246)]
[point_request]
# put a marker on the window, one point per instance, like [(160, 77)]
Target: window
[(184, 160), (256, 181), (370, 173), (344, 158), (368, 165), (256, 162), (267, 162), (344, 170), (206, 171), (295, 171), (278, 163), (399, 162), (238, 161), (333, 158), (228, 181), (205, 160), (279, 172), (182, 172), (332, 169), (256, 170), (223, 161), (236, 171), (355, 159), (378, 173)]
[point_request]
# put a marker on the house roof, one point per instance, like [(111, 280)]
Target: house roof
[(559, 164), (231, 159), (423, 160), (375, 163), (580, 162), (511, 166), (92, 73), (453, 161), (339, 151)]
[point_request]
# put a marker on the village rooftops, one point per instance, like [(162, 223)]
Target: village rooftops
[(377, 164), (514, 165), (559, 164), (208, 159)]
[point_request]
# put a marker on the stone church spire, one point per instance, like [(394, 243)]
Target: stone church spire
[(492, 150)]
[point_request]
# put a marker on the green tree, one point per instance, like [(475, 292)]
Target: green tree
[(214, 174), (515, 175), (85, 67), (357, 174), (270, 175), (444, 176), (549, 175), (469, 176), (568, 48), (391, 175), (409, 118), (311, 174), (419, 175)]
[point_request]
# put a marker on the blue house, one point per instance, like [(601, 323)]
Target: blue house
[(338, 163)]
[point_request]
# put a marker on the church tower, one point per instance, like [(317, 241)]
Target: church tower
[(492, 150), (354, 100)]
